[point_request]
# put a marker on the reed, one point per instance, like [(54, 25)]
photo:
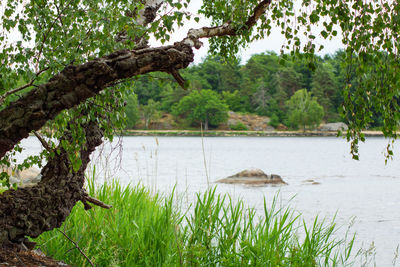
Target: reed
[(144, 229)]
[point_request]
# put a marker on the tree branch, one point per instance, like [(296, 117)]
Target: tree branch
[(227, 28), (258, 12), (144, 17), (95, 202), (75, 84), (178, 78), (43, 142), (7, 94)]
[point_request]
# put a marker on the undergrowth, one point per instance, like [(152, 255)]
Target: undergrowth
[(143, 229)]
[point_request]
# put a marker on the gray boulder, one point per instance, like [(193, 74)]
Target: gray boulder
[(253, 177)]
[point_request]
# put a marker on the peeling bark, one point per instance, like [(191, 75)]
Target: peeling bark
[(145, 16), (45, 206)]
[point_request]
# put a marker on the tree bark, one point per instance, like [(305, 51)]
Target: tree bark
[(33, 210)]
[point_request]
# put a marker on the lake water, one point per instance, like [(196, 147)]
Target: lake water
[(365, 193)]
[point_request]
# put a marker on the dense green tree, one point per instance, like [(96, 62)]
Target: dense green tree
[(150, 112), (289, 80), (304, 110), (261, 66), (132, 111), (235, 101), (151, 86), (216, 74), (304, 71), (202, 107), (325, 88), (259, 81), (171, 95)]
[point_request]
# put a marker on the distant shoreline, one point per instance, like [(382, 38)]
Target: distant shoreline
[(240, 133)]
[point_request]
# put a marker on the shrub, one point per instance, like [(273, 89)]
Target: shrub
[(239, 126)]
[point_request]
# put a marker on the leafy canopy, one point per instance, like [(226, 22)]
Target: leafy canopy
[(304, 110), (204, 106)]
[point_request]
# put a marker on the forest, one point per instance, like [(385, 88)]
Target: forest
[(263, 85)]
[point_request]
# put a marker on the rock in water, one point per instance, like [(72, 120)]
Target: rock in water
[(253, 177)]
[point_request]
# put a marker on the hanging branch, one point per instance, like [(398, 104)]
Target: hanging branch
[(43, 142)]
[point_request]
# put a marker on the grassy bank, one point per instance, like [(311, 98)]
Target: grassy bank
[(147, 230)]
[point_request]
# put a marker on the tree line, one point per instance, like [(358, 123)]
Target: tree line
[(267, 84)]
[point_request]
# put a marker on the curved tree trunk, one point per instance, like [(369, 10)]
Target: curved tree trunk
[(33, 210)]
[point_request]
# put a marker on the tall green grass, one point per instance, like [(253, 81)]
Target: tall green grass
[(143, 229)]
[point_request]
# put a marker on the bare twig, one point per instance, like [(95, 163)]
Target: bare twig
[(43, 142), (3, 97), (76, 246)]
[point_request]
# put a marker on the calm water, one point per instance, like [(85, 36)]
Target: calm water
[(365, 192)]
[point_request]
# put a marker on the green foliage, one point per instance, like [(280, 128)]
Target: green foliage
[(239, 126), (235, 101), (304, 110), (264, 85), (151, 86), (132, 111), (274, 120), (171, 95), (204, 106), (150, 112), (147, 230), (217, 74), (324, 88)]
